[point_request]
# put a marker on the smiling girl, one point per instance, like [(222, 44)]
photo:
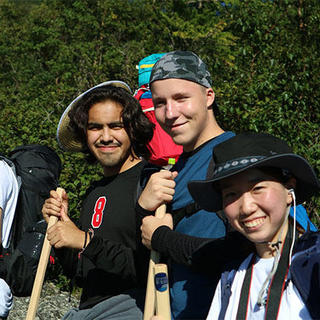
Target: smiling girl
[(259, 178)]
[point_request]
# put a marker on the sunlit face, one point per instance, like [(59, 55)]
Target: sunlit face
[(181, 108), (255, 203), (107, 139)]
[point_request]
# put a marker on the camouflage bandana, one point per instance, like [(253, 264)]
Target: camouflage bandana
[(181, 65)]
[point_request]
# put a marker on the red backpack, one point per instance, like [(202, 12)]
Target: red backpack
[(161, 146)]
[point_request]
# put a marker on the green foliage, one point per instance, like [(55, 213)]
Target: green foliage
[(263, 55)]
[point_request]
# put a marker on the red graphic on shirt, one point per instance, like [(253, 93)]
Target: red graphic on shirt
[(98, 212)]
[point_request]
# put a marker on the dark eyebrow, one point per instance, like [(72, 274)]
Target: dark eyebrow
[(94, 124), (253, 180), (110, 123), (180, 95), (157, 100), (256, 180), (115, 123)]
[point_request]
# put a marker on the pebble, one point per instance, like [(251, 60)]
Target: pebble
[(53, 304)]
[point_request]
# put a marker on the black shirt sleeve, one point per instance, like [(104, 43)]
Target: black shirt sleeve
[(201, 254), (111, 256)]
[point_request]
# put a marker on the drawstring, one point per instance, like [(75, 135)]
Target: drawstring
[(264, 289), (294, 225)]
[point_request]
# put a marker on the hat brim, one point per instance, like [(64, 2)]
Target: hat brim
[(67, 140), (209, 198)]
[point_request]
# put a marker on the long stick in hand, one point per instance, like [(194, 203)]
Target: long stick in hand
[(162, 299), (150, 301), (41, 270)]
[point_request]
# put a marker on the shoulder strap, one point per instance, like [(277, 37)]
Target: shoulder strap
[(226, 281), (186, 211), (305, 272), (139, 92), (193, 207), (146, 172)]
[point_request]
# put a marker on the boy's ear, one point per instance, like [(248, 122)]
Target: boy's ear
[(210, 96)]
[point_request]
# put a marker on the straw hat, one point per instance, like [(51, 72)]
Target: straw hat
[(66, 138)]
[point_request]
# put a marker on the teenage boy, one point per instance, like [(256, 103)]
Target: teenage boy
[(184, 101), (107, 123), (258, 179)]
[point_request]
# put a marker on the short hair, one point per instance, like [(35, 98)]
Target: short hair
[(136, 124)]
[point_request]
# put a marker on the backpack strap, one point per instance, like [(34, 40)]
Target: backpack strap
[(226, 281), (186, 211), (139, 92), (193, 208), (146, 173), (305, 272)]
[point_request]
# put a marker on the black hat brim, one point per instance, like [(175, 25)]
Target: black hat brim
[(205, 194)]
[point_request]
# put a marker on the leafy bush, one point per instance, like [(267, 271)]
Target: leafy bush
[(263, 55)]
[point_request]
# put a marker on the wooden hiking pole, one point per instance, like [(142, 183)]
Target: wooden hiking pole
[(41, 270), (162, 299), (150, 305)]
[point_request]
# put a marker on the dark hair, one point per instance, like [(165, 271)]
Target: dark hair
[(136, 124), (282, 176)]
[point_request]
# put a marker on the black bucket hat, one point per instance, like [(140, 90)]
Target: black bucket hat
[(251, 150)]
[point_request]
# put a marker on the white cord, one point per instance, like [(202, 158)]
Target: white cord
[(294, 225), (264, 289)]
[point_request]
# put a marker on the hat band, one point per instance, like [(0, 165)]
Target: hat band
[(237, 163)]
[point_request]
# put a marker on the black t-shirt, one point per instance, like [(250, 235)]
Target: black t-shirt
[(115, 260)]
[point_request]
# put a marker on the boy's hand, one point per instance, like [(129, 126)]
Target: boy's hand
[(159, 190), (55, 206), (150, 224)]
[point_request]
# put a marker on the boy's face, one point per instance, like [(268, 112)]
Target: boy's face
[(107, 138), (181, 108), (255, 204)]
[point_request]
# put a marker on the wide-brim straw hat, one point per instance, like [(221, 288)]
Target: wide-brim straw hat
[(253, 150), (66, 137)]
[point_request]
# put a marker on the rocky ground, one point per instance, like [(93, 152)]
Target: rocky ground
[(53, 304)]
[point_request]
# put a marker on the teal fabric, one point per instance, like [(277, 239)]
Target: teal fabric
[(145, 67)]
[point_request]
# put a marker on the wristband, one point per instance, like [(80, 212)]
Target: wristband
[(91, 233), (85, 243)]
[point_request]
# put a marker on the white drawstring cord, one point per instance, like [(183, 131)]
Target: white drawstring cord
[(261, 300), (264, 289), (294, 225)]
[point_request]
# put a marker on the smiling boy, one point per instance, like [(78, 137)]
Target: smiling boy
[(103, 253)]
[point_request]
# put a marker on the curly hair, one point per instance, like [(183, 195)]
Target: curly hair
[(136, 124)]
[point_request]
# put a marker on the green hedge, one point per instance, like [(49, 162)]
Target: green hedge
[(264, 58)]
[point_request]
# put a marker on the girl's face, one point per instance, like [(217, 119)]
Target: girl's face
[(255, 204)]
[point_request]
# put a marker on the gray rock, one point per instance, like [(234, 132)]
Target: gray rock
[(53, 304)]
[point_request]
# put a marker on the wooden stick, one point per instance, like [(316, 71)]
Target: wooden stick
[(41, 270), (162, 291), (150, 301)]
